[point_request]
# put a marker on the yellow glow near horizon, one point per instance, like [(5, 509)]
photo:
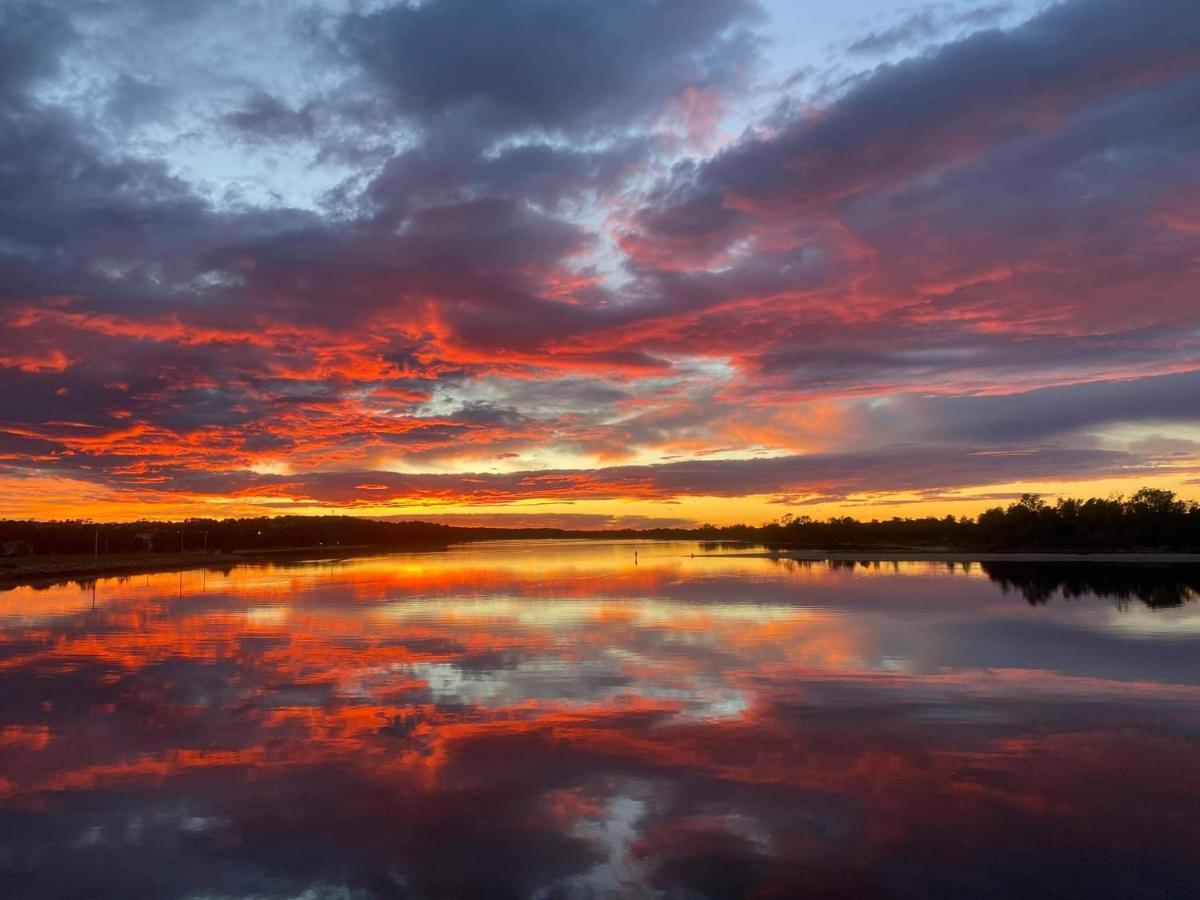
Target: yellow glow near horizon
[(57, 497)]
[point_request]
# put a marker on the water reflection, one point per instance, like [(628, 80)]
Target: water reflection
[(1157, 586), (550, 720)]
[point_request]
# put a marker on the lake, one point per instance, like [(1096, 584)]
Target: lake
[(554, 719)]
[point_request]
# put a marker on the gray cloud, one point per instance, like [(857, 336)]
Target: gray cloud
[(530, 64), (925, 25), (1010, 210), (267, 118), (1037, 415), (936, 111), (31, 38), (825, 476)]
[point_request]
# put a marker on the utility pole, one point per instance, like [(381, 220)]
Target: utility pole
[(96, 550), (180, 540)]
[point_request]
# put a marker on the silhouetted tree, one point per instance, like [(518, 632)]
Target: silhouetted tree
[(1151, 519)]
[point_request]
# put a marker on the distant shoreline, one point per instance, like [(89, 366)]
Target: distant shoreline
[(17, 571), (963, 556), (44, 570)]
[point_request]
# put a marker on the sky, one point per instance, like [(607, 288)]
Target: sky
[(595, 262)]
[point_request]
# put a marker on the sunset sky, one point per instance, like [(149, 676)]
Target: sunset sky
[(595, 262)]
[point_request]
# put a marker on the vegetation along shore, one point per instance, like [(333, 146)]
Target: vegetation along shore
[(1150, 526)]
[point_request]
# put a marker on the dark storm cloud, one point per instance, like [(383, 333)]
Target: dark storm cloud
[(517, 65)]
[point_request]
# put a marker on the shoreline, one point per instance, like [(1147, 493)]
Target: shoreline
[(55, 568), (50, 569), (958, 556), (44, 571)]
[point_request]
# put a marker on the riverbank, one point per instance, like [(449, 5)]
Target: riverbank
[(42, 569), (55, 568), (964, 556), (15, 571)]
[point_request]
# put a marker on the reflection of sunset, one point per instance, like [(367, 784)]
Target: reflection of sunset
[(398, 277), (791, 718)]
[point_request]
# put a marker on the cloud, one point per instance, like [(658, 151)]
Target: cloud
[(454, 244), (813, 477), (31, 38), (569, 521), (1039, 414), (946, 108), (522, 65), (925, 25), (267, 118)]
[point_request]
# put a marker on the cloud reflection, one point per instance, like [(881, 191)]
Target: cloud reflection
[(494, 722)]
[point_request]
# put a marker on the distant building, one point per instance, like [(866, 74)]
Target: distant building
[(16, 548), (144, 540)]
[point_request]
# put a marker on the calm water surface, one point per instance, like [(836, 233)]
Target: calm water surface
[(549, 720)]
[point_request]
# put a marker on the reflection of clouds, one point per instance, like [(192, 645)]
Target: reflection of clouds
[(615, 830), (267, 615), (611, 679), (548, 613), (533, 679), (358, 738), (1149, 623)]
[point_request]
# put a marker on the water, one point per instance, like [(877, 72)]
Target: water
[(549, 720)]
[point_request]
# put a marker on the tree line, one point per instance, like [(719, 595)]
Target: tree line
[(1151, 519), (217, 535)]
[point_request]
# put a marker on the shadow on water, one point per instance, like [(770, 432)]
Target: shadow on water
[(1158, 586)]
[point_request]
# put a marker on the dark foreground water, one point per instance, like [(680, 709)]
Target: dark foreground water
[(550, 720)]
